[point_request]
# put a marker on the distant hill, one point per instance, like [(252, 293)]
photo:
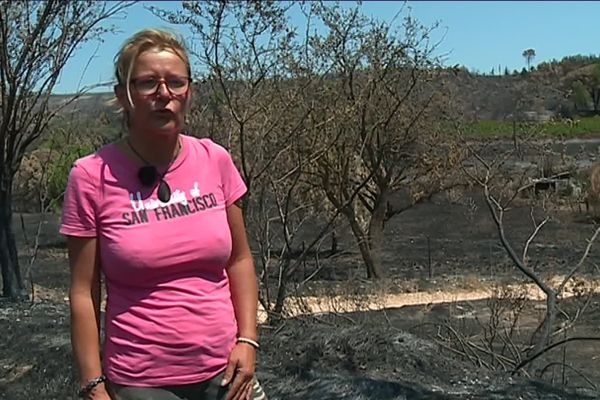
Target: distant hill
[(91, 104), (539, 94), (544, 92)]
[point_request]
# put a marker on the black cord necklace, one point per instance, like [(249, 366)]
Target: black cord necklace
[(148, 175)]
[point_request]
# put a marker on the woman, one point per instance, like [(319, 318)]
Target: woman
[(157, 214)]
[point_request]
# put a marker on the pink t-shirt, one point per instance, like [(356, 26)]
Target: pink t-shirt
[(169, 317)]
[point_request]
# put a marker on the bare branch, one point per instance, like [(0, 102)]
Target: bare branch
[(550, 347), (532, 236), (590, 241)]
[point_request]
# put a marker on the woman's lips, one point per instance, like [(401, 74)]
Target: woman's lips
[(164, 114)]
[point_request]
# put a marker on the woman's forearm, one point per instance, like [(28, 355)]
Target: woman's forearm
[(85, 336), (244, 295)]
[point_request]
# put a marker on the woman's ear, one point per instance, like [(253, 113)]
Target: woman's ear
[(121, 95), (188, 100), (123, 102)]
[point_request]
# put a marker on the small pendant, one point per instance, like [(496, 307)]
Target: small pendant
[(147, 175), (164, 191)]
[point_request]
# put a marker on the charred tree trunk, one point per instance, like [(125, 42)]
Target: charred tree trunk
[(276, 313), (279, 302), (376, 235), (541, 338), (12, 280), (371, 260)]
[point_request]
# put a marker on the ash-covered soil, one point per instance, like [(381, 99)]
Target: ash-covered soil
[(439, 245), (328, 357)]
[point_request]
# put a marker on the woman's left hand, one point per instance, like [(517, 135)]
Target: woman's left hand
[(242, 362)]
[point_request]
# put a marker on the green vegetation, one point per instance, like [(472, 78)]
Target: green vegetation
[(59, 172), (43, 174), (586, 126), (569, 62), (67, 141), (580, 96)]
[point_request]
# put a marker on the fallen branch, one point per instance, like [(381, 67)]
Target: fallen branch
[(581, 374), (550, 347)]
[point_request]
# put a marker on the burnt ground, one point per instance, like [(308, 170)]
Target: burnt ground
[(324, 358), (413, 352), (399, 354)]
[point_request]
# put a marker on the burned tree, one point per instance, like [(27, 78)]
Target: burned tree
[(385, 105), (37, 39), (507, 187), (252, 100)]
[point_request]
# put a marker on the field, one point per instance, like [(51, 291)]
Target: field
[(357, 339), (580, 127)]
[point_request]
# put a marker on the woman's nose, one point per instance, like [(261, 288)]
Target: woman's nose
[(163, 90)]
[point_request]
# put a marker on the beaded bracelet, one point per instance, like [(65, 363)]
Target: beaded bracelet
[(251, 342), (84, 391)]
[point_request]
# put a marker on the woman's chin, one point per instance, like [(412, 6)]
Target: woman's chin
[(168, 128)]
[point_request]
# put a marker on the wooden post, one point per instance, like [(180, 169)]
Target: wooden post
[(334, 243), (430, 267), (303, 261), (490, 259)]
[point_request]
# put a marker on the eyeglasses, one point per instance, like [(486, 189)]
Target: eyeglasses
[(176, 85)]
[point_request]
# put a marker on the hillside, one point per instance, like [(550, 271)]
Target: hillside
[(91, 104), (541, 94)]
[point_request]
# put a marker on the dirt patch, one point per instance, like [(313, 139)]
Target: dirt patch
[(309, 305)]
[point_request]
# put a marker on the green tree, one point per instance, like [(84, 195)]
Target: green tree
[(591, 82), (580, 96), (37, 39), (529, 55)]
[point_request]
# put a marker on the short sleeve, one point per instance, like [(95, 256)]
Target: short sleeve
[(79, 210), (234, 186)]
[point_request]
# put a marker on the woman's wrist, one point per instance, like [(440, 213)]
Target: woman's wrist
[(86, 389), (246, 340), (248, 330)]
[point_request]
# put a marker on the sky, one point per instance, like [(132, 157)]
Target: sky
[(479, 35)]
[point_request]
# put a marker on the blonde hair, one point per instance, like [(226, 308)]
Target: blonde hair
[(144, 40)]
